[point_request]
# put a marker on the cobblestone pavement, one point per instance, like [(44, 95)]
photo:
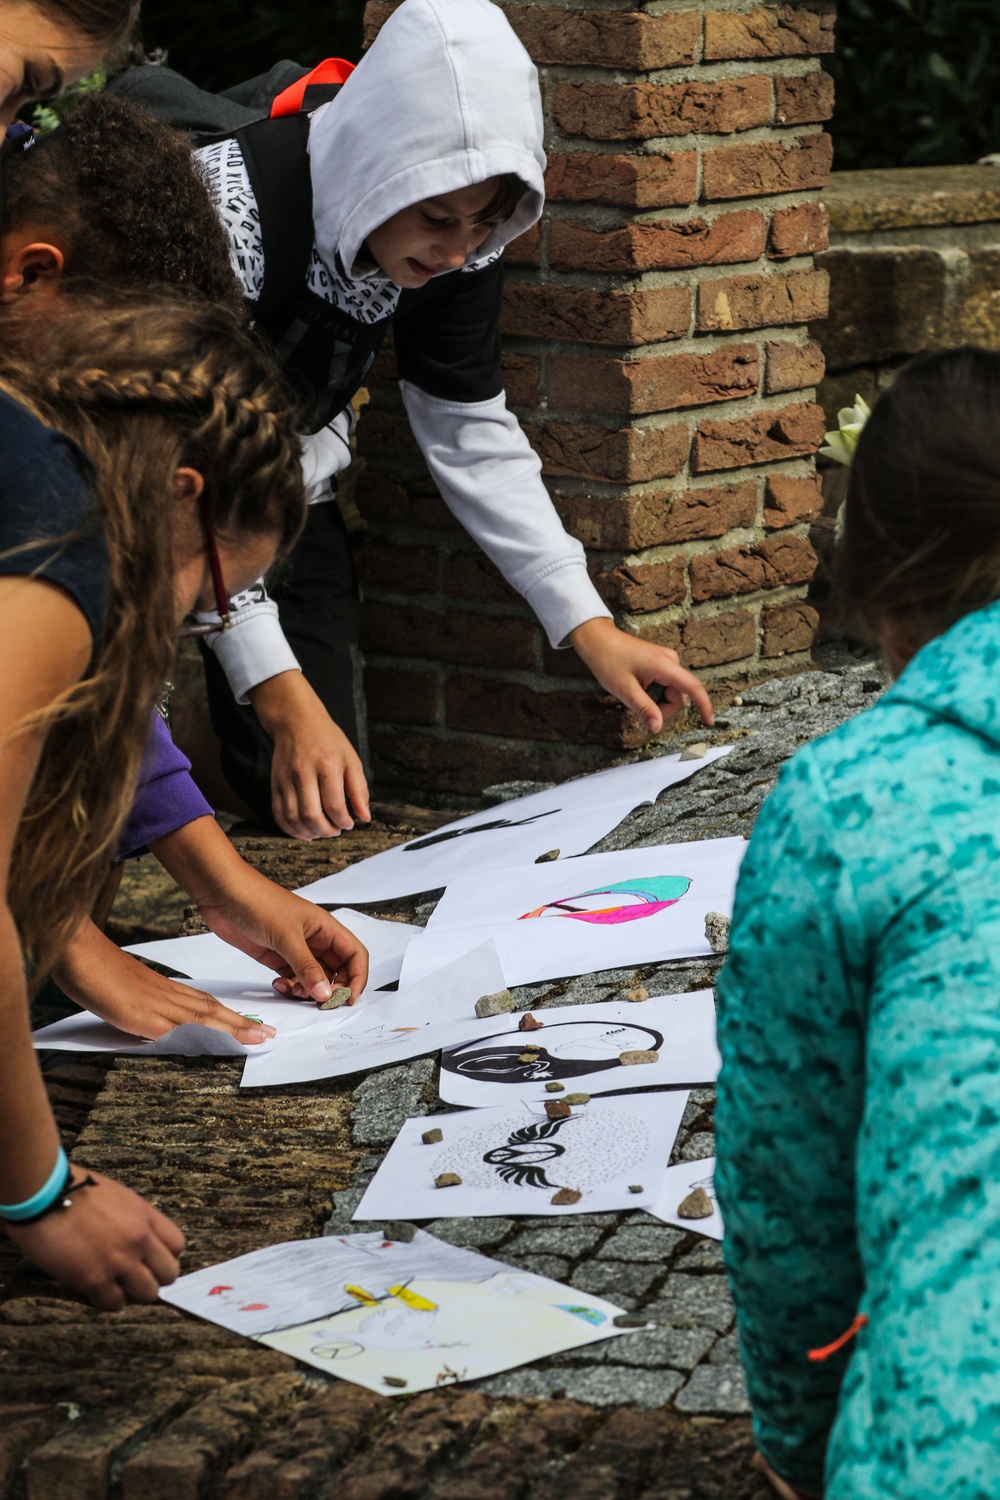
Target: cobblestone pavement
[(149, 1403)]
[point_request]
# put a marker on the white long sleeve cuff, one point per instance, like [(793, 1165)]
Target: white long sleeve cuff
[(254, 648), (326, 453), (491, 481)]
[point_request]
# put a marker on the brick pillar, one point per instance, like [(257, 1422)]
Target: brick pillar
[(657, 355)]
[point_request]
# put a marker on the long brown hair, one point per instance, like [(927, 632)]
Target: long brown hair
[(145, 386), (108, 21), (921, 539)]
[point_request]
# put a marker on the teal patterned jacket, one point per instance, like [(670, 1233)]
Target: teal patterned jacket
[(859, 1101)]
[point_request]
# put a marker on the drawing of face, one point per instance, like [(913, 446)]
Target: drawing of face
[(459, 833), (570, 1050), (625, 901)]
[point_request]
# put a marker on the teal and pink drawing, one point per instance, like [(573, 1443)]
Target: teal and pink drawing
[(625, 901)]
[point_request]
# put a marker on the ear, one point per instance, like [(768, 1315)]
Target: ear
[(189, 485), (35, 267)]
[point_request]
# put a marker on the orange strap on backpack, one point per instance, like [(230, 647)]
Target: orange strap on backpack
[(332, 70)]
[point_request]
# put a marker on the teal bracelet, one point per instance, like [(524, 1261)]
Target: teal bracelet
[(15, 1213)]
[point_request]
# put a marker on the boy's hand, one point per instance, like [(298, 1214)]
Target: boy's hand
[(111, 1244), (121, 990), (627, 666), (315, 768)]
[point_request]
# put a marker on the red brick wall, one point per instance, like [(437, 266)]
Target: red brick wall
[(658, 357)]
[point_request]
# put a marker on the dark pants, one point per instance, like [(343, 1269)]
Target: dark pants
[(318, 604)]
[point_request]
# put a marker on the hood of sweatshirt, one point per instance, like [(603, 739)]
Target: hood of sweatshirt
[(956, 677), (445, 97)]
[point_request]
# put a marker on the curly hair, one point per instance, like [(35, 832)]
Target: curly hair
[(121, 195), (144, 386)]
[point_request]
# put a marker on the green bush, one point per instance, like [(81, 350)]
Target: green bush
[(918, 82), (224, 41)]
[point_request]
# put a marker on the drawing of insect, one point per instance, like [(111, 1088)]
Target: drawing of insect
[(522, 1160)]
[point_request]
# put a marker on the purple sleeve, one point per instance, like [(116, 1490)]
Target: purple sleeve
[(166, 797)]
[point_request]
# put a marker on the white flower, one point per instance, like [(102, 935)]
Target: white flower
[(840, 445)]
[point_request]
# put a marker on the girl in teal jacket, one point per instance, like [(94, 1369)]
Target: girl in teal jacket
[(859, 1012)]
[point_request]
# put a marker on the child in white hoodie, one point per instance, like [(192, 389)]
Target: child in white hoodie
[(426, 164)]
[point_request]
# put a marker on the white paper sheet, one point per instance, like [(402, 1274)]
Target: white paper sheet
[(425, 1314), (678, 1183), (553, 921), (412, 1021), (580, 1047), (514, 1160), (571, 818)]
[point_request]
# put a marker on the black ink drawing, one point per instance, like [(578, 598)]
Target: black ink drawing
[(571, 1049), (523, 1159), (458, 833)]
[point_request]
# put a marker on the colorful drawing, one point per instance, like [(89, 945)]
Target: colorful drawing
[(625, 901), (571, 1049)]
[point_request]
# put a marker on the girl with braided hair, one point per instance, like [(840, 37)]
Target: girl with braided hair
[(148, 465), (46, 45)]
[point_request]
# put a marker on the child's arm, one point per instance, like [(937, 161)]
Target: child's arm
[(790, 1097), (109, 1244)]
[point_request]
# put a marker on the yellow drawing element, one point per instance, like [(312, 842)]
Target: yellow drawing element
[(412, 1299), (360, 1295)]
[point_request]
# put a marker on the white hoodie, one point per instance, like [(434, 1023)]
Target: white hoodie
[(445, 98)]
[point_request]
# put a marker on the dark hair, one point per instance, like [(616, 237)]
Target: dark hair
[(921, 536), (128, 201), (110, 21), (509, 192)]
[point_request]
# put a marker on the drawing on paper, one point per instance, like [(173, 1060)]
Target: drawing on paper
[(583, 1151), (460, 833), (625, 901), (571, 1049)]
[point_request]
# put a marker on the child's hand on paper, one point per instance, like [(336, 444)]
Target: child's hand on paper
[(111, 1245), (626, 666), (315, 768), (121, 990)]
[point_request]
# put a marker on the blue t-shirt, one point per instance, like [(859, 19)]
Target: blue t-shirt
[(45, 498)]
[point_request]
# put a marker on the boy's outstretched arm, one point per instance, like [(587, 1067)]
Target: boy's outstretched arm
[(627, 666)]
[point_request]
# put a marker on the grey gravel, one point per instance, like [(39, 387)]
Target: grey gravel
[(687, 1301), (716, 1389), (650, 1242), (614, 1279), (600, 1386)]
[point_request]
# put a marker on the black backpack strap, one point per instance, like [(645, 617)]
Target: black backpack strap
[(276, 153)]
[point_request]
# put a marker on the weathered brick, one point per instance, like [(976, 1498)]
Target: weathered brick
[(24, 1427), (400, 570), (792, 367), (727, 240), (470, 575), (616, 39), (395, 696), (761, 301), (628, 523), (618, 316), (388, 432), (376, 13), (761, 437), (483, 706), (310, 1447), (383, 502), (789, 627), (627, 454), (642, 587), (526, 250), (804, 100), (521, 375), (656, 383), (764, 167), (466, 639), (625, 181), (785, 558), (639, 111), (77, 1463), (789, 501), (802, 230), (707, 640), (791, 30), (431, 761), (887, 303)]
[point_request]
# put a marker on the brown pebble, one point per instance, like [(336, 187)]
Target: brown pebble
[(577, 1099), (497, 1004), (431, 1137), (630, 1059), (555, 1088), (528, 1057), (448, 1179), (697, 751), (639, 993), (636, 1187), (557, 1109), (399, 1232), (630, 1320), (565, 1196), (529, 1023), (340, 997), (545, 859), (697, 1205), (396, 1381)]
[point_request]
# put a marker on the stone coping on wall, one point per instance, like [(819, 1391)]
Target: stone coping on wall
[(912, 197)]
